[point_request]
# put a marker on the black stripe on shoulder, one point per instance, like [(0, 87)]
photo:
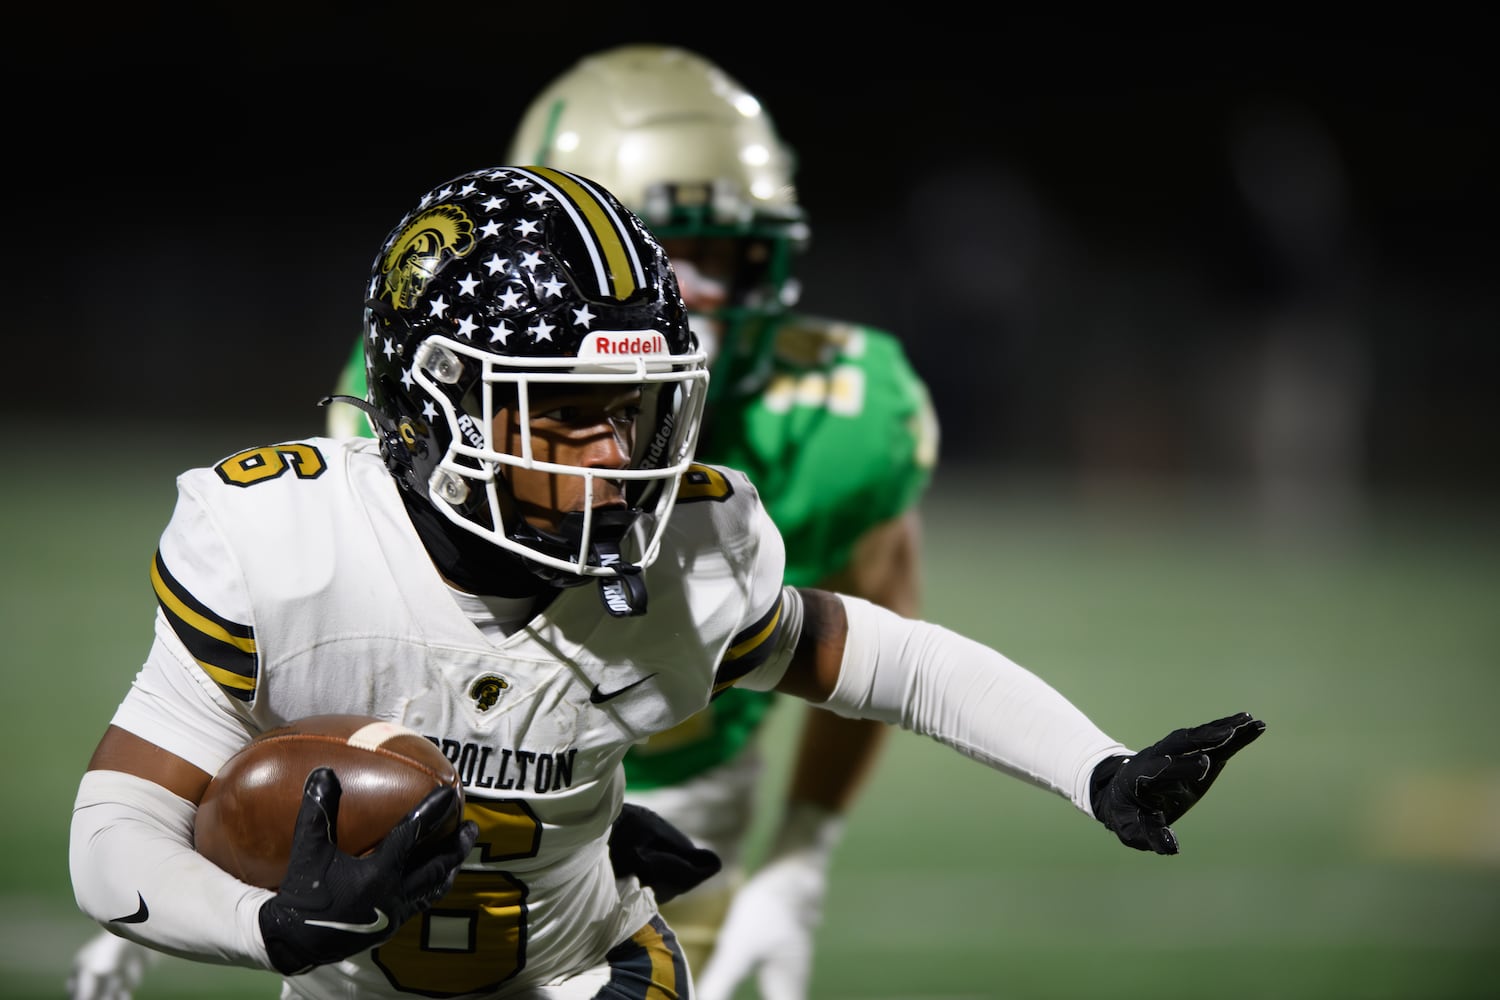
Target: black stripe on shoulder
[(751, 647), (225, 649)]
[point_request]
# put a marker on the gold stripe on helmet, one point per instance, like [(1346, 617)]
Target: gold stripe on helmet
[(602, 229)]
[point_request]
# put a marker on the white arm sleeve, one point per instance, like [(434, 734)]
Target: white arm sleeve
[(935, 682), (131, 853)]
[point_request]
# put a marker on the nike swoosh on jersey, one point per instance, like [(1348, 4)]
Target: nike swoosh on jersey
[(598, 697), (139, 916), (380, 923)]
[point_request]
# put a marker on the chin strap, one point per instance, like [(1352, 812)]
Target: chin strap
[(385, 432), (380, 421), (624, 594)]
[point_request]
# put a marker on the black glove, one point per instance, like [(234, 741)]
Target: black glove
[(1139, 797), (332, 904), (643, 844)]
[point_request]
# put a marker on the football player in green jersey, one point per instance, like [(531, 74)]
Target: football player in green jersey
[(826, 417)]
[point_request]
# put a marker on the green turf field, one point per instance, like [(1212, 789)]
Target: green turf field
[(1353, 852)]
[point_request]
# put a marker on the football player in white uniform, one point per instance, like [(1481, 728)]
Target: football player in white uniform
[(528, 567)]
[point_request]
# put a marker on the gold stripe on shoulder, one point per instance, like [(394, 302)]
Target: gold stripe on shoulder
[(225, 650), (179, 607), (749, 643), (227, 678)]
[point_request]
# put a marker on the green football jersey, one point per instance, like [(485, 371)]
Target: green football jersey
[(837, 433)]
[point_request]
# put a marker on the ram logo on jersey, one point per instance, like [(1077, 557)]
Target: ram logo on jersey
[(486, 691)]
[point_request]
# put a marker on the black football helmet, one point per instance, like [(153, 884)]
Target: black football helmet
[(508, 277)]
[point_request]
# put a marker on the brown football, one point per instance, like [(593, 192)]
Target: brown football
[(249, 810)]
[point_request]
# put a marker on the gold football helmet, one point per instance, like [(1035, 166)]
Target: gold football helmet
[(685, 147)]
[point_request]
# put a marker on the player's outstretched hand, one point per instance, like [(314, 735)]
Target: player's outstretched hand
[(331, 904), (1140, 797), (768, 933)]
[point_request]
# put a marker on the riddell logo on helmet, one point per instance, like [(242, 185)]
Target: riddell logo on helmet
[(470, 432), (616, 344)]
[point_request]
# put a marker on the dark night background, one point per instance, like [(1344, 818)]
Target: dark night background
[(1254, 253)]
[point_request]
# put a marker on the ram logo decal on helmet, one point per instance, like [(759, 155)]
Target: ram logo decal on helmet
[(416, 254)]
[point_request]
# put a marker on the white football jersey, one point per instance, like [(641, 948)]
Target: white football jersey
[(291, 583)]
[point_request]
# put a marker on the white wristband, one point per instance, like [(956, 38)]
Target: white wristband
[(808, 828), (131, 855), (935, 682)]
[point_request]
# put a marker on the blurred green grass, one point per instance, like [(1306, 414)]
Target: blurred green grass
[(1354, 851)]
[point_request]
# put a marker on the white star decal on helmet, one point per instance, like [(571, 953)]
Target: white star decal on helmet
[(583, 317), (510, 298), (501, 332), (496, 264), (553, 287), (493, 204), (526, 227), (542, 331), (467, 284), (466, 327), (438, 306)]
